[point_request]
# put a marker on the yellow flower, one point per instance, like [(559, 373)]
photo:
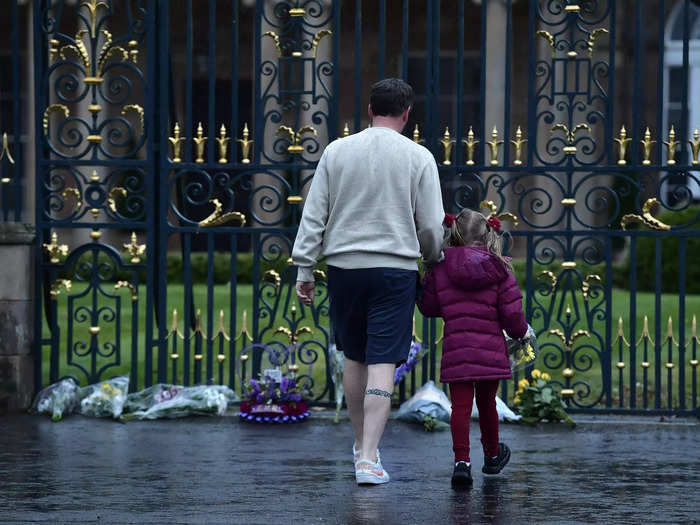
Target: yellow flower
[(521, 390), (523, 383), (536, 373), (545, 376), (516, 400), (529, 353)]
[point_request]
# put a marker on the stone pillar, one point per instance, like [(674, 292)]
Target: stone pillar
[(16, 316), (496, 18)]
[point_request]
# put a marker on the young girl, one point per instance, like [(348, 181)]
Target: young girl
[(474, 291)]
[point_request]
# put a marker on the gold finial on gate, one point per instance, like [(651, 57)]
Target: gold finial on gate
[(221, 332), (176, 140), (55, 289), (494, 145), (295, 138), (54, 249), (647, 144), (6, 151), (135, 249), (246, 145), (549, 38), (570, 148), (470, 143), (346, 130), (244, 332), (93, 6), (622, 142), (317, 38), (223, 141), (672, 146), (274, 36), (133, 51), (592, 38), (126, 284), (416, 135), (447, 145), (200, 141), (694, 145), (518, 144), (647, 218)]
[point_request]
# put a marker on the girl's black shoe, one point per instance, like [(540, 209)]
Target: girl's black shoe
[(495, 465), (462, 475)]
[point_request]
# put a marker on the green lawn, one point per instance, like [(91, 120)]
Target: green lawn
[(221, 300)]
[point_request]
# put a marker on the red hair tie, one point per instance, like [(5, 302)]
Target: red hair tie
[(449, 219), (494, 223)]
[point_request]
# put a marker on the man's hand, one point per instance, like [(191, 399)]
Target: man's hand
[(305, 292)]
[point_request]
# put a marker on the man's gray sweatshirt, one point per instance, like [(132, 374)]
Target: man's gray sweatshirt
[(374, 201)]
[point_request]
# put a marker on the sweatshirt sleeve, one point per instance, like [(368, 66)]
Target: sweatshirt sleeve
[(429, 304), (510, 308), (309, 241), (430, 214)]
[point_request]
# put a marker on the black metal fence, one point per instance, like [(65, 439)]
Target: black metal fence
[(187, 132)]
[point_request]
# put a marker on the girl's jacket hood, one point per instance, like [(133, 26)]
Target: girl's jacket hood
[(473, 267)]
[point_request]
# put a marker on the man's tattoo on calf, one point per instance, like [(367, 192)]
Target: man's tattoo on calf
[(378, 392)]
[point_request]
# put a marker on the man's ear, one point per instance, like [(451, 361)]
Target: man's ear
[(404, 116), (369, 112)]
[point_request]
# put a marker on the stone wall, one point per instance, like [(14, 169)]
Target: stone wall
[(16, 316)]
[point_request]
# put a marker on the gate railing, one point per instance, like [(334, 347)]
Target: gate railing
[(181, 140)]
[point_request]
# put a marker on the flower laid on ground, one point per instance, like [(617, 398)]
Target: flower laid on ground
[(173, 401), (105, 399), (267, 400), (58, 399), (536, 400)]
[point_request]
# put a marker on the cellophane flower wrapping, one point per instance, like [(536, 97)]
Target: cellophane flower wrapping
[(336, 359), (428, 406), (174, 401), (105, 399), (57, 400), (522, 352)]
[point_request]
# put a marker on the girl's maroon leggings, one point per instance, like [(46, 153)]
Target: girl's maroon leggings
[(462, 395)]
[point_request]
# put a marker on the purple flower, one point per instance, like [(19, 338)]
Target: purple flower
[(255, 385), (294, 397), (285, 384)]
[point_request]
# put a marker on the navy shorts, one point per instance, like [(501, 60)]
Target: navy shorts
[(371, 312)]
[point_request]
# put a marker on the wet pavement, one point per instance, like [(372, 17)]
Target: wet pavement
[(222, 471)]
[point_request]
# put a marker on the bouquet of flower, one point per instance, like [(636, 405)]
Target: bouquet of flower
[(58, 399), (336, 358), (536, 399), (270, 401), (104, 399), (522, 351), (428, 406), (415, 354), (173, 401)]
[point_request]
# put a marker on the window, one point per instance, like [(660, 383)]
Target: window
[(673, 80)]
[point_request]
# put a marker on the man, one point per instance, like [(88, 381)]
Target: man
[(373, 208)]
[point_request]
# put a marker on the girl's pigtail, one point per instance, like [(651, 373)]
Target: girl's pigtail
[(494, 244)]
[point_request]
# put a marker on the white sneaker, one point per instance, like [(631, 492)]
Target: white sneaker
[(356, 454), (368, 473)]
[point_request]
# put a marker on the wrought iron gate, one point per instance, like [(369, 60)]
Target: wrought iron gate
[(197, 126)]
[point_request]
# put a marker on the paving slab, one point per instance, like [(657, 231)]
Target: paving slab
[(219, 470)]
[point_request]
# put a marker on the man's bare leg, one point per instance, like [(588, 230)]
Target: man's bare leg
[(355, 385), (377, 404)]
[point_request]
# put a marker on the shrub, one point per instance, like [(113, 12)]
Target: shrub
[(670, 267)]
